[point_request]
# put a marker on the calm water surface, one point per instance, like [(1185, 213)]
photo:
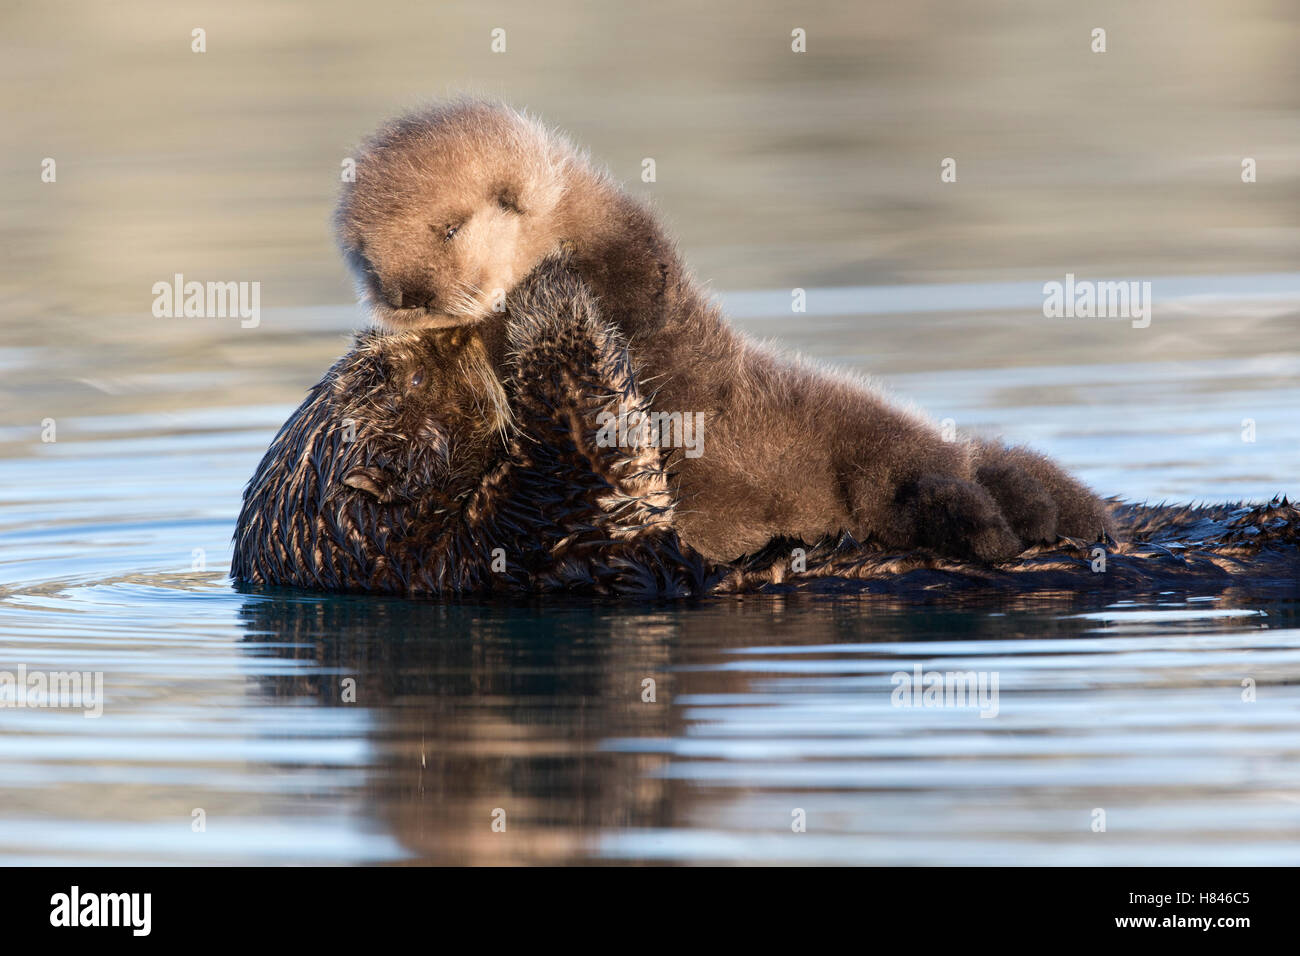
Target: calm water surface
[(302, 728)]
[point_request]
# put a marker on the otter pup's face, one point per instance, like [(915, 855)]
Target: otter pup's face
[(428, 413), (450, 208)]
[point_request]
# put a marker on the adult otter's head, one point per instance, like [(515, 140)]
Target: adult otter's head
[(425, 409), (451, 207), (393, 437)]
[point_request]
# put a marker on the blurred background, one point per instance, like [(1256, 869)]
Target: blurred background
[(777, 170)]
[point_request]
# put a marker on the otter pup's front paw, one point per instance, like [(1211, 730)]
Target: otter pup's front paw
[(960, 519)]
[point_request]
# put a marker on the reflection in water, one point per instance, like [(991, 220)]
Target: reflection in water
[(478, 709)]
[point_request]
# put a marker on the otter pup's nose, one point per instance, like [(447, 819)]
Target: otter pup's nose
[(407, 295)]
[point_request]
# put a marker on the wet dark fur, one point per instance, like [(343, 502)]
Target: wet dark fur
[(571, 516), (470, 193), (548, 511), (1193, 549), (403, 423)]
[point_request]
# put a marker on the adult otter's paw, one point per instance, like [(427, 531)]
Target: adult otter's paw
[(550, 302), (958, 518)]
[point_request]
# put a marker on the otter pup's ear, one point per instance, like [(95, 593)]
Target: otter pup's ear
[(374, 482)]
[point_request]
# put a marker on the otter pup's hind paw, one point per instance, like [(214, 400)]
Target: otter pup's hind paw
[(1009, 473), (1028, 506), (960, 519)]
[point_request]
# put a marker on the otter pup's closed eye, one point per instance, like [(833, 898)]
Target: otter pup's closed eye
[(788, 449), (508, 201), (448, 213)]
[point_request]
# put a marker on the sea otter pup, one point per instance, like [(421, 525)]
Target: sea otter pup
[(454, 205)]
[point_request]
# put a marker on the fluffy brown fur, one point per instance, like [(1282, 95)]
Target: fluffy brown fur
[(454, 205)]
